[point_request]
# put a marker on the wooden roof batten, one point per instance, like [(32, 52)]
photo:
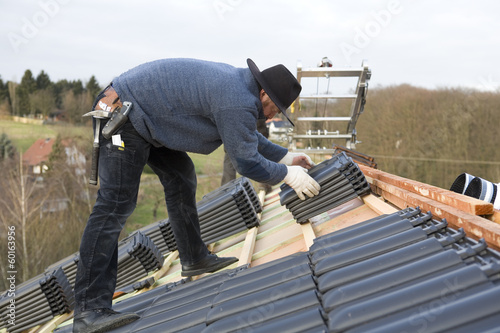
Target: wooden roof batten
[(460, 211)]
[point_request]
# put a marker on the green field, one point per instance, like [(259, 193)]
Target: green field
[(24, 135)]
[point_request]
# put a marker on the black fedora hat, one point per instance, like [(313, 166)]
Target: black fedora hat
[(277, 81)]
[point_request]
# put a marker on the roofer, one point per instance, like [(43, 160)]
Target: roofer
[(178, 106)]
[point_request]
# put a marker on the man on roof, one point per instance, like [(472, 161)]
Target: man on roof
[(179, 106)]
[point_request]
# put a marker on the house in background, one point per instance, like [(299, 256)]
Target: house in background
[(278, 129), (36, 157), (36, 160), (57, 117)]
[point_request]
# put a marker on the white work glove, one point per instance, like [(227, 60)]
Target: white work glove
[(302, 160), (298, 179)]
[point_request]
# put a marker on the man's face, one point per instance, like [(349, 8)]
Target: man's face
[(269, 108)]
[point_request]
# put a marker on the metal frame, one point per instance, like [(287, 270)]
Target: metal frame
[(363, 74)]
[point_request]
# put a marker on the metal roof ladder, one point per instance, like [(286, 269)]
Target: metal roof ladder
[(324, 136)]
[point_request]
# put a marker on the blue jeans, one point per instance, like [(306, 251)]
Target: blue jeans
[(120, 170)]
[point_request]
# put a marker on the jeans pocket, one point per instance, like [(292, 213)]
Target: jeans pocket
[(121, 153)]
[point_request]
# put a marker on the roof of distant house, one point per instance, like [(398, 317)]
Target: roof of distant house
[(39, 151)]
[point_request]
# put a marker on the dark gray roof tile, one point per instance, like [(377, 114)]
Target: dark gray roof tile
[(248, 298), (159, 325), (444, 313), (325, 262), (260, 313), (408, 273), (385, 224), (233, 290), (286, 266), (306, 320), (369, 267), (447, 285)]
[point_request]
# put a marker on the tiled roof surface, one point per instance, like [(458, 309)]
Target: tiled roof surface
[(355, 268), (359, 279)]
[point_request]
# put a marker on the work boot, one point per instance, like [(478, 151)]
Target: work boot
[(209, 264), (101, 320)]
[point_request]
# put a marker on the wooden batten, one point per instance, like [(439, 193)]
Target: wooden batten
[(308, 233), (495, 217), (248, 247), (377, 205), (475, 226), (467, 204)]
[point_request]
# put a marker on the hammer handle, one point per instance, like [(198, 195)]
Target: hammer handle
[(95, 164), (95, 153)]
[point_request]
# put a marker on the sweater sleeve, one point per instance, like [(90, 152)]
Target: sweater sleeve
[(269, 150), (252, 155)]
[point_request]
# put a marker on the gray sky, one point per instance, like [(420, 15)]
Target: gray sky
[(430, 44)]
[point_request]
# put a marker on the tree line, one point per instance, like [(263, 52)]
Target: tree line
[(39, 97)]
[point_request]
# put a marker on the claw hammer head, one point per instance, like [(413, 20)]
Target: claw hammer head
[(101, 114)]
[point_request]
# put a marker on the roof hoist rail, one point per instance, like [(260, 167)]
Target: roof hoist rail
[(358, 98)]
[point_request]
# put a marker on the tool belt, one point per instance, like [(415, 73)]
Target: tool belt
[(110, 102)]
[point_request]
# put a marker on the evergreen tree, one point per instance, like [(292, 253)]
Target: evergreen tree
[(4, 90), (23, 91), (60, 87), (7, 150), (5, 108), (43, 101), (92, 87), (77, 87), (43, 81), (57, 153)]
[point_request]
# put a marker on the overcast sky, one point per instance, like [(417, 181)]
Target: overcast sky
[(425, 43)]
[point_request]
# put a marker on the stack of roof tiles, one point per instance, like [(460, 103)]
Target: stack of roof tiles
[(477, 187), (340, 180), (37, 301), (224, 212), (154, 232), (137, 255), (247, 186), (68, 265), (399, 272), (228, 210)]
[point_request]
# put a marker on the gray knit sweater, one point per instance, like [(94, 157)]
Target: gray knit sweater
[(195, 106)]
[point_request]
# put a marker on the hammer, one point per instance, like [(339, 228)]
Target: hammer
[(98, 115)]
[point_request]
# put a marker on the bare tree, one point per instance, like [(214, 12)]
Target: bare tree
[(12, 87), (19, 207), (49, 216), (43, 102)]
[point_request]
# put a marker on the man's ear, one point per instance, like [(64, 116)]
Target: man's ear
[(262, 93)]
